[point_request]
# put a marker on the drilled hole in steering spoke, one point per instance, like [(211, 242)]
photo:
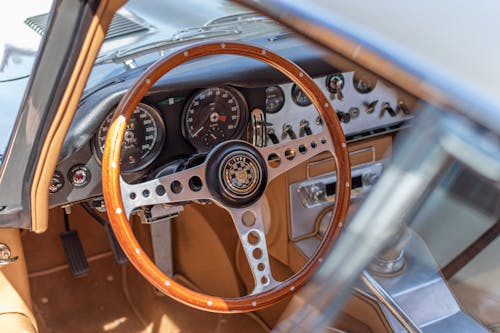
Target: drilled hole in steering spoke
[(195, 183), (302, 149), (132, 196), (290, 154), (273, 160), (257, 253), (160, 190), (264, 280), (253, 237), (146, 193), (248, 218), (261, 266), (176, 187)]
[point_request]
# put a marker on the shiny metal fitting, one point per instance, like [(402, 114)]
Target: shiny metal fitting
[(5, 254)]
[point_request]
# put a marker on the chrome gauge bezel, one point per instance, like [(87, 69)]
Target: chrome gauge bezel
[(153, 153), (240, 126), (279, 95)]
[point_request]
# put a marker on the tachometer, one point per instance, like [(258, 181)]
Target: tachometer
[(143, 139), (214, 115)]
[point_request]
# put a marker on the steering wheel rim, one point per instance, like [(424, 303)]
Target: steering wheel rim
[(115, 189)]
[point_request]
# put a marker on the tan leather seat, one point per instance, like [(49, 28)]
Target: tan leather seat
[(477, 287), (16, 313)]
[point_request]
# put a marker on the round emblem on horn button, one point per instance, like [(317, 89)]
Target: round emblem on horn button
[(236, 173), (240, 174)]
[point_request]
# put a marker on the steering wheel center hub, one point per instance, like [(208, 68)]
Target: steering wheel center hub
[(240, 174), (236, 173)]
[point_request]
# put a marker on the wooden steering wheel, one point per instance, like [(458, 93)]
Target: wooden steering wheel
[(240, 196)]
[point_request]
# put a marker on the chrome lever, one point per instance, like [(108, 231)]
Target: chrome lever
[(5, 254), (259, 128)]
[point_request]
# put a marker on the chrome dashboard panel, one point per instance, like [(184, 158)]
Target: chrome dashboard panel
[(365, 120)]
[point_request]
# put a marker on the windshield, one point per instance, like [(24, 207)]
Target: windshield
[(158, 27), (18, 48), (139, 34)]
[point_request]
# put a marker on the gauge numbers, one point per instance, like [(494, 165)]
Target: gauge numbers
[(214, 115), (142, 142)]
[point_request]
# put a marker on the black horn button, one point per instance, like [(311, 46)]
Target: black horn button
[(236, 174)]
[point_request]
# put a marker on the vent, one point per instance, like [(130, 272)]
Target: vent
[(120, 25)]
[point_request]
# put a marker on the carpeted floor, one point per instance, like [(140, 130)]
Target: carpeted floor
[(111, 298), (94, 303)]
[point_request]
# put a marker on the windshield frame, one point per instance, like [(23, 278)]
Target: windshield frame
[(58, 53)]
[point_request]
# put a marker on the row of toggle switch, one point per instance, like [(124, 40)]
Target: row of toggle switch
[(386, 107), (288, 131), (343, 116)]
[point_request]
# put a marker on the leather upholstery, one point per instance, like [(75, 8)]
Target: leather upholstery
[(16, 314)]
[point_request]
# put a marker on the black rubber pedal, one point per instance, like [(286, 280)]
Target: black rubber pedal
[(120, 256), (75, 256)]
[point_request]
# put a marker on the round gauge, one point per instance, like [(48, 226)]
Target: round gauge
[(274, 99), (299, 97), (214, 115), (142, 142), (363, 83)]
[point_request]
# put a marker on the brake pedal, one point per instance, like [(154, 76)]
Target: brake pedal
[(120, 256), (73, 250), (75, 256)]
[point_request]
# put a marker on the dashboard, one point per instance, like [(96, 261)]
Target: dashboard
[(172, 128)]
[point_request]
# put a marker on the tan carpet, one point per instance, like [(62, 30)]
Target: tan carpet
[(111, 298)]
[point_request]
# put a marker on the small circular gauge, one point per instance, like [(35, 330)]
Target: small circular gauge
[(364, 83), (299, 97), (79, 175), (274, 99), (214, 115), (142, 142)]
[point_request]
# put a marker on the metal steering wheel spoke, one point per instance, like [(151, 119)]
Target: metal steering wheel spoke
[(285, 156), (187, 185), (250, 227)]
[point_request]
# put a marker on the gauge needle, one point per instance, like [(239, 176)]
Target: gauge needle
[(223, 118), (198, 131)]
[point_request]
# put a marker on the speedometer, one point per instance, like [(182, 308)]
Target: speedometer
[(214, 115), (142, 142)]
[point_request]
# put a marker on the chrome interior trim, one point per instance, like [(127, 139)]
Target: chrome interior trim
[(386, 299), (421, 293)]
